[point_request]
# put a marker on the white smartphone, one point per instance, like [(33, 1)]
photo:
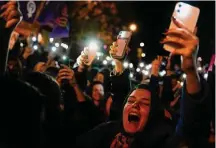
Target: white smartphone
[(188, 15), (123, 40)]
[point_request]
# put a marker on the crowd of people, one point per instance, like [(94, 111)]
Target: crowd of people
[(50, 105)]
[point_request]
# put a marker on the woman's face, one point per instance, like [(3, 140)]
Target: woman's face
[(99, 77), (136, 111), (97, 92)]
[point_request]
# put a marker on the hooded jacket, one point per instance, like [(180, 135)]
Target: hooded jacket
[(158, 133)]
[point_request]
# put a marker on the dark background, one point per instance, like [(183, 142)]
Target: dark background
[(153, 18)]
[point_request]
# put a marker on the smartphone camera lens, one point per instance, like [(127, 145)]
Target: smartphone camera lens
[(178, 11), (180, 5)]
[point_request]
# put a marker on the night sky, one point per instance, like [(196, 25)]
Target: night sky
[(153, 18)]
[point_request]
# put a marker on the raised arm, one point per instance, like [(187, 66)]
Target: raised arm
[(68, 74), (120, 84), (10, 16), (194, 121)]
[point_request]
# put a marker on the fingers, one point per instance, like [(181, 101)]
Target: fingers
[(7, 11), (12, 14), (178, 52), (12, 23), (179, 24), (179, 32), (65, 74), (8, 4), (113, 49), (64, 66), (173, 40), (83, 58)]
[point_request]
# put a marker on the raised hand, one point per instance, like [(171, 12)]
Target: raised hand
[(118, 63), (156, 65), (66, 74), (82, 60), (187, 43), (11, 14)]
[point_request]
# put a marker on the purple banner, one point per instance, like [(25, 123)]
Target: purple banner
[(49, 14)]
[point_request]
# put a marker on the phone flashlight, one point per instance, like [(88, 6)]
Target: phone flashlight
[(93, 46)]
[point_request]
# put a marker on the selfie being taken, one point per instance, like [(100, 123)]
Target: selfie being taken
[(107, 74)]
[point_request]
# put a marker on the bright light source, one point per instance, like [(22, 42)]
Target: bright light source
[(133, 27), (162, 73), (131, 75), (206, 76), (57, 44), (51, 40), (99, 54), (199, 59), (143, 55), (148, 66), (182, 83), (21, 44), (113, 63), (199, 68), (184, 76), (35, 47), (93, 46), (34, 39), (138, 70), (108, 58), (64, 45), (131, 65), (142, 44), (105, 62), (54, 48), (146, 73), (125, 64), (64, 57), (141, 65)]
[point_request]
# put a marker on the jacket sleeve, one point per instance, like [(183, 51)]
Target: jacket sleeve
[(193, 125), (81, 78), (167, 93), (120, 87)]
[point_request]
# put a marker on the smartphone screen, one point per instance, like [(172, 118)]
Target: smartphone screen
[(188, 15)]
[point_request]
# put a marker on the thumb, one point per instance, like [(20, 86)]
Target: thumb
[(177, 52)]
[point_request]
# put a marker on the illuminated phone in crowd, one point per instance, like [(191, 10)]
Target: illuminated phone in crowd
[(188, 15), (123, 40), (91, 52)]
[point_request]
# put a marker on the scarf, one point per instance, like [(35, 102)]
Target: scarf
[(121, 141)]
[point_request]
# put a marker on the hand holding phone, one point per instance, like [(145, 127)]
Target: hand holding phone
[(188, 15), (66, 76), (122, 42)]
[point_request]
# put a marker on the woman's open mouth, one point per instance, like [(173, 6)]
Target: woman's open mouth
[(133, 117)]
